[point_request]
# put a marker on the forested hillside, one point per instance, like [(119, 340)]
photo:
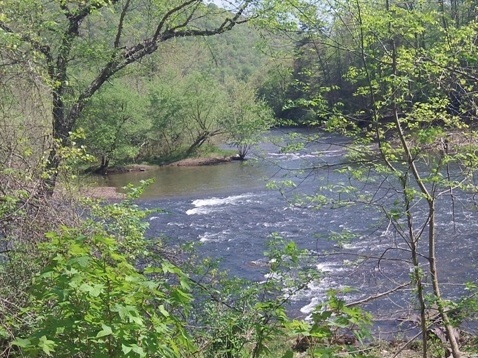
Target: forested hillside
[(203, 91), (166, 105), (366, 56), (100, 83)]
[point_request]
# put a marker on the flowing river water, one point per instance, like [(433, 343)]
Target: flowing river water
[(228, 209)]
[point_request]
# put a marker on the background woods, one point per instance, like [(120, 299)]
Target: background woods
[(73, 48)]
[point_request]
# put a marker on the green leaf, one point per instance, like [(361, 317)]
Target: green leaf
[(85, 287), (82, 261), (126, 349), (22, 343), (163, 311), (96, 290), (139, 350), (180, 296), (46, 345), (123, 311), (106, 331)]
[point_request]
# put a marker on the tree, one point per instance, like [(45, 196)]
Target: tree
[(202, 113), (56, 39), (273, 85), (165, 108), (185, 110), (115, 124), (246, 117), (412, 78)]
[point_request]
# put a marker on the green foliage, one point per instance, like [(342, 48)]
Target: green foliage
[(246, 319), (246, 117), (387, 76), (170, 104), (100, 289), (25, 215), (91, 298), (185, 111), (115, 123), (73, 49), (332, 324), (274, 83), (188, 110), (397, 78), (90, 301), (176, 115)]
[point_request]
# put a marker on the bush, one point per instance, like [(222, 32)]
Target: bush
[(89, 301), (99, 293)]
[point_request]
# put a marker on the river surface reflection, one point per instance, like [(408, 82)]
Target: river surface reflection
[(180, 181), (228, 209)]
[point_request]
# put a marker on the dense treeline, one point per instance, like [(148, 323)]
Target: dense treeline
[(74, 52), (157, 114), (168, 104), (364, 53)]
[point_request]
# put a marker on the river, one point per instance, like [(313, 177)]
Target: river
[(230, 211)]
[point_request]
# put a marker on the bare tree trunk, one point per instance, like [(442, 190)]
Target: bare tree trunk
[(431, 238), (199, 141), (450, 331), (417, 274)]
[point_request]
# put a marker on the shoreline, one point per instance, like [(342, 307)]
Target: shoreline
[(111, 193), (187, 162)]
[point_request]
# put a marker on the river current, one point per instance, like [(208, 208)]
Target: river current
[(228, 209)]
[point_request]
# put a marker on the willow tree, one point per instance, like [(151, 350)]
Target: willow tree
[(75, 47)]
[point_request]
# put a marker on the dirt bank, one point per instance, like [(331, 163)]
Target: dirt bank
[(189, 162)]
